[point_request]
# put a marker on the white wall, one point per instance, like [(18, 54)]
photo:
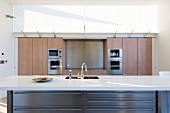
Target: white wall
[(6, 41), (163, 40)]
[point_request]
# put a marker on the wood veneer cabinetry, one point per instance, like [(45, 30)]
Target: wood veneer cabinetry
[(137, 56), (114, 42), (55, 43), (144, 56), (130, 60), (24, 56), (40, 56), (32, 54)]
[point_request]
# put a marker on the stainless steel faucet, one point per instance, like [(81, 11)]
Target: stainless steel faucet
[(70, 74), (82, 72)]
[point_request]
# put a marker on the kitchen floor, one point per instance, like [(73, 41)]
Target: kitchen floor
[(3, 105)]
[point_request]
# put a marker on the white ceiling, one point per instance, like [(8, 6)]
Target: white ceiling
[(85, 2)]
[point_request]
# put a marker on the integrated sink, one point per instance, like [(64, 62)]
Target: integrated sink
[(72, 77), (91, 77), (86, 77)]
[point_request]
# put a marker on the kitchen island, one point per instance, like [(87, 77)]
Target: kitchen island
[(112, 94)]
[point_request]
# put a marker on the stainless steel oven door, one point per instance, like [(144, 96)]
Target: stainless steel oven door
[(115, 66), (54, 66)]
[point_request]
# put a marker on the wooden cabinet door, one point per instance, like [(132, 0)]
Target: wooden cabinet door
[(55, 43), (144, 56), (130, 56), (24, 56), (114, 42), (40, 56)]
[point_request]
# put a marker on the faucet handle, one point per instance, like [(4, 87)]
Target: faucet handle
[(70, 71), (78, 75)]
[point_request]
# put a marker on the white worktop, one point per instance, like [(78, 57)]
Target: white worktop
[(103, 83)]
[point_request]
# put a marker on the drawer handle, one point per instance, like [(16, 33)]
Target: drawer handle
[(27, 109), (99, 101), (71, 93), (47, 93), (123, 109), (123, 92), (119, 101)]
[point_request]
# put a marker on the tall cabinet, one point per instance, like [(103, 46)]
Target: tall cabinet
[(40, 56), (57, 43), (130, 60), (112, 43), (137, 56), (144, 56), (25, 56)]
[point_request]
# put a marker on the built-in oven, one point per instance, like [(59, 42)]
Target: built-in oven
[(54, 66), (54, 53), (115, 61), (115, 66)]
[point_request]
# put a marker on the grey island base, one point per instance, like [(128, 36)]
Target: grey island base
[(108, 94), (83, 102)]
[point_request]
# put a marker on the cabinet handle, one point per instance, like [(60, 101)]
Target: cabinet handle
[(123, 92), (120, 109), (71, 93), (116, 92), (46, 92), (101, 93), (29, 109), (100, 101), (119, 101)]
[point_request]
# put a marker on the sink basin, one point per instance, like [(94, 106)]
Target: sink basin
[(91, 77), (86, 77), (72, 77)]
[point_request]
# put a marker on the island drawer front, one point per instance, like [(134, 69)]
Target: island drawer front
[(122, 94), (122, 99), (121, 103), (110, 110), (71, 110), (42, 98)]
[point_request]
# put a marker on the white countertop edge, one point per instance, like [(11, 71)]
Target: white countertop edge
[(88, 89)]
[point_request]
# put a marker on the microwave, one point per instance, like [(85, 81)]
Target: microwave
[(54, 53), (115, 53)]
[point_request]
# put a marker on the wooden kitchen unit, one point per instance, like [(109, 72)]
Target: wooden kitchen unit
[(40, 56), (137, 55), (144, 56), (25, 56), (55, 43), (130, 61), (114, 43), (32, 54)]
